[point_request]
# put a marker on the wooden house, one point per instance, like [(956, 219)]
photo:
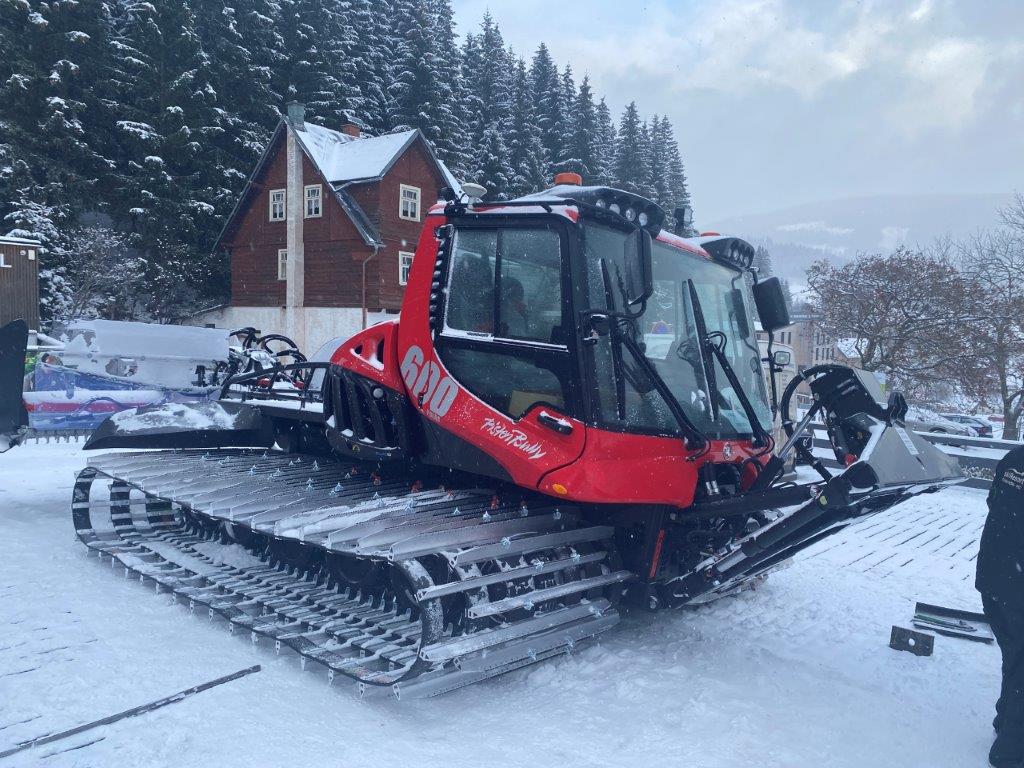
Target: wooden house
[(323, 235), (19, 280)]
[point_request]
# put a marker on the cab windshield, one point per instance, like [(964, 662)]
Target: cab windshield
[(667, 333)]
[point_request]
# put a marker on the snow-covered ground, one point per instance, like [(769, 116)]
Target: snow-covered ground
[(797, 673)]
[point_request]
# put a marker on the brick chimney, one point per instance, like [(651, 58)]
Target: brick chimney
[(296, 115), (351, 129)]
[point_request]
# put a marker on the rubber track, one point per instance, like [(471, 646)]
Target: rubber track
[(164, 513)]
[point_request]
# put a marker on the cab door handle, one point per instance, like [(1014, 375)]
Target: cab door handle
[(561, 426)]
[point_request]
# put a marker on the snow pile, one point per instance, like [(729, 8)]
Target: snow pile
[(231, 554), (174, 416), (161, 355)]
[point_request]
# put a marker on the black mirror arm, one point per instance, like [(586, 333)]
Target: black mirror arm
[(772, 381)]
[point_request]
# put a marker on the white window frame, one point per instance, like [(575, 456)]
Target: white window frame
[(282, 263), (402, 257), (306, 199), (284, 204), (402, 189)]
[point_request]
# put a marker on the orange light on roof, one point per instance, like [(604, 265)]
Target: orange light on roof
[(710, 234), (568, 177)]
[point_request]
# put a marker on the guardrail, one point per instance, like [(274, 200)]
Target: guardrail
[(977, 456)]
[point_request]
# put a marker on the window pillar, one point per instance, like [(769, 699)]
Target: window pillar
[(295, 286)]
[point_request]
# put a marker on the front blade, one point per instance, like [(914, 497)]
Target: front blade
[(13, 348), (185, 425)]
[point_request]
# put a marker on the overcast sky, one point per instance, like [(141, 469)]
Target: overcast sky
[(778, 102)]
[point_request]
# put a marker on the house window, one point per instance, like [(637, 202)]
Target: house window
[(312, 201), (277, 200), (404, 265), (409, 202), (282, 264)]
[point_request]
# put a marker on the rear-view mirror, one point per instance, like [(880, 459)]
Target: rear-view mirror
[(771, 304), (739, 311), (639, 279)]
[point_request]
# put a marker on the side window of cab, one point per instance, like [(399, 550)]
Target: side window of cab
[(505, 332)]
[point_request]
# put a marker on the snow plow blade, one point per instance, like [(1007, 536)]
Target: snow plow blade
[(13, 348), (895, 465), (185, 425)]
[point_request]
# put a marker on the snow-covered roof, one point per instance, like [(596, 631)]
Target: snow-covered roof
[(11, 239), (848, 347), (342, 160)]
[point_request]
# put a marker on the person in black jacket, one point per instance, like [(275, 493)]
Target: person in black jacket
[(1000, 581)]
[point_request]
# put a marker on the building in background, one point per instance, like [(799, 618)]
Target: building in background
[(780, 344), (19, 280), (809, 344), (322, 238), (846, 353)]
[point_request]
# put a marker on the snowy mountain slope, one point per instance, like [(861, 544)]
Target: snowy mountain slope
[(840, 229), (796, 674)]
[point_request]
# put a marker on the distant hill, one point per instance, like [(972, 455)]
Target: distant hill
[(840, 229)]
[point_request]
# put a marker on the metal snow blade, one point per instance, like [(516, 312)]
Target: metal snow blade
[(13, 417), (185, 425), (953, 622), (895, 465)]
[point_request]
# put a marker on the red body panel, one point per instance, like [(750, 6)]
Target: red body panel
[(635, 469), (589, 464), (373, 353)]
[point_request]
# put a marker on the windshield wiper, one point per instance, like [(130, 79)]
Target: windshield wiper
[(619, 336), (702, 336), (711, 352)]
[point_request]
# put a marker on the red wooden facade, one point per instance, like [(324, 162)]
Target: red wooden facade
[(334, 247)]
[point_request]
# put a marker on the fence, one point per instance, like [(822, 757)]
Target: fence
[(977, 456)]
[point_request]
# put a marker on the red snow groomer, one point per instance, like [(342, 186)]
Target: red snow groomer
[(568, 417)]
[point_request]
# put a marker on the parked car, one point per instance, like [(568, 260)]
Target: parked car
[(926, 420), (981, 426)]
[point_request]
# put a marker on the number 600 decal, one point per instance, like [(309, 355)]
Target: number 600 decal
[(425, 382)]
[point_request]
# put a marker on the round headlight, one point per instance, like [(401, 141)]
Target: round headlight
[(601, 203), (614, 208), (643, 218), (630, 214)]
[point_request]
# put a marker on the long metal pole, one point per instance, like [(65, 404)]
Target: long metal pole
[(142, 709), (365, 262)]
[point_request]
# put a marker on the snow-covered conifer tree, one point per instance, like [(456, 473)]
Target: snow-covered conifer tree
[(631, 170), (548, 98), (604, 145), (527, 157)]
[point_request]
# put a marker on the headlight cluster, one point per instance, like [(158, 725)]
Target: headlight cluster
[(730, 250), (631, 207), (635, 211)]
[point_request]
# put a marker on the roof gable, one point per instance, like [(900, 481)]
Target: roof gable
[(342, 159)]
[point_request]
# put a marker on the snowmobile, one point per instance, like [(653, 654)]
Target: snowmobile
[(567, 418)]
